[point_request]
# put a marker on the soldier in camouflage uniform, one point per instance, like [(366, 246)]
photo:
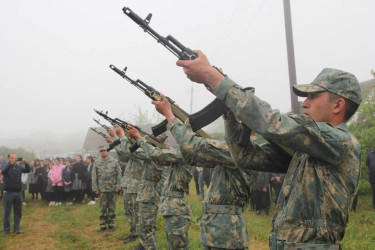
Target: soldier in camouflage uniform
[(174, 208), (132, 179), (148, 195), (223, 225), (322, 178), (133, 166), (106, 178)]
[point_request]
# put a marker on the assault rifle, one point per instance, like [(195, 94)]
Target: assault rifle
[(155, 95), (123, 124), (99, 133), (112, 145), (102, 125), (213, 110)]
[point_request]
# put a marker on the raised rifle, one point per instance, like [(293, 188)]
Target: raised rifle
[(112, 145), (99, 133), (213, 110), (102, 125), (123, 124), (155, 95)]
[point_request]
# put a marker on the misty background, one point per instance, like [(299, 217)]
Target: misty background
[(55, 57)]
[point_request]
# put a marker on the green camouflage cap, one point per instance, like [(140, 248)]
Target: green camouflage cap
[(333, 80), (102, 147)]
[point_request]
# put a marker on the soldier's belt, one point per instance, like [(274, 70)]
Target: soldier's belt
[(174, 194), (221, 209), (276, 244), (150, 183)]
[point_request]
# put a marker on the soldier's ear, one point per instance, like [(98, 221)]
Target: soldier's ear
[(339, 105)]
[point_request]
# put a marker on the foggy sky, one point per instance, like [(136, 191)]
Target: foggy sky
[(55, 55)]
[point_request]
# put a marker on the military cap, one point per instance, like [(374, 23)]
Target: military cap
[(102, 147), (341, 83)]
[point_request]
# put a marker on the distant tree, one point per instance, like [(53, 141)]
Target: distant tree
[(363, 128), (373, 73), (364, 125), (20, 152)]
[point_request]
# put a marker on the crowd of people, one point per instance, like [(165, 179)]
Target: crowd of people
[(58, 180)]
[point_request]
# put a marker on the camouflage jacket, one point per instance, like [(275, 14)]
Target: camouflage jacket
[(124, 159), (177, 180), (230, 186), (133, 173), (149, 188), (106, 175), (322, 177), (164, 175)]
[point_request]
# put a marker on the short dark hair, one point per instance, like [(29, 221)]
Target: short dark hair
[(350, 106), (11, 153), (90, 158)]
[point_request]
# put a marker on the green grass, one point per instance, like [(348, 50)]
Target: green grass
[(72, 227)]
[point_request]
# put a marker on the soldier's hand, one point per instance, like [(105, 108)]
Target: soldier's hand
[(133, 132), (265, 189), (164, 107), (97, 192), (109, 140), (201, 71), (119, 131), (111, 133)]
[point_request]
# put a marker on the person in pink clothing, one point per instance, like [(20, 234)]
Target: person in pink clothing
[(57, 182)]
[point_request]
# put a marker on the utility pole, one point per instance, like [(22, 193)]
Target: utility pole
[(291, 62)]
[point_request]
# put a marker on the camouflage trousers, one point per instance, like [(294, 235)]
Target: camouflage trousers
[(123, 198), (107, 208), (131, 211), (177, 230), (226, 231), (147, 218)]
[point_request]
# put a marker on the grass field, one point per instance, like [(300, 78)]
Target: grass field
[(72, 227)]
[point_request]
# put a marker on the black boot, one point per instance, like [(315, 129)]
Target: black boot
[(130, 238)]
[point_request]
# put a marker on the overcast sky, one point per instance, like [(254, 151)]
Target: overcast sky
[(55, 55)]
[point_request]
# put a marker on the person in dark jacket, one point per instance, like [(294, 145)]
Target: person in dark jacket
[(12, 196), (276, 182), (67, 180), (78, 176), (370, 162), (41, 183), (90, 194), (261, 193)]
